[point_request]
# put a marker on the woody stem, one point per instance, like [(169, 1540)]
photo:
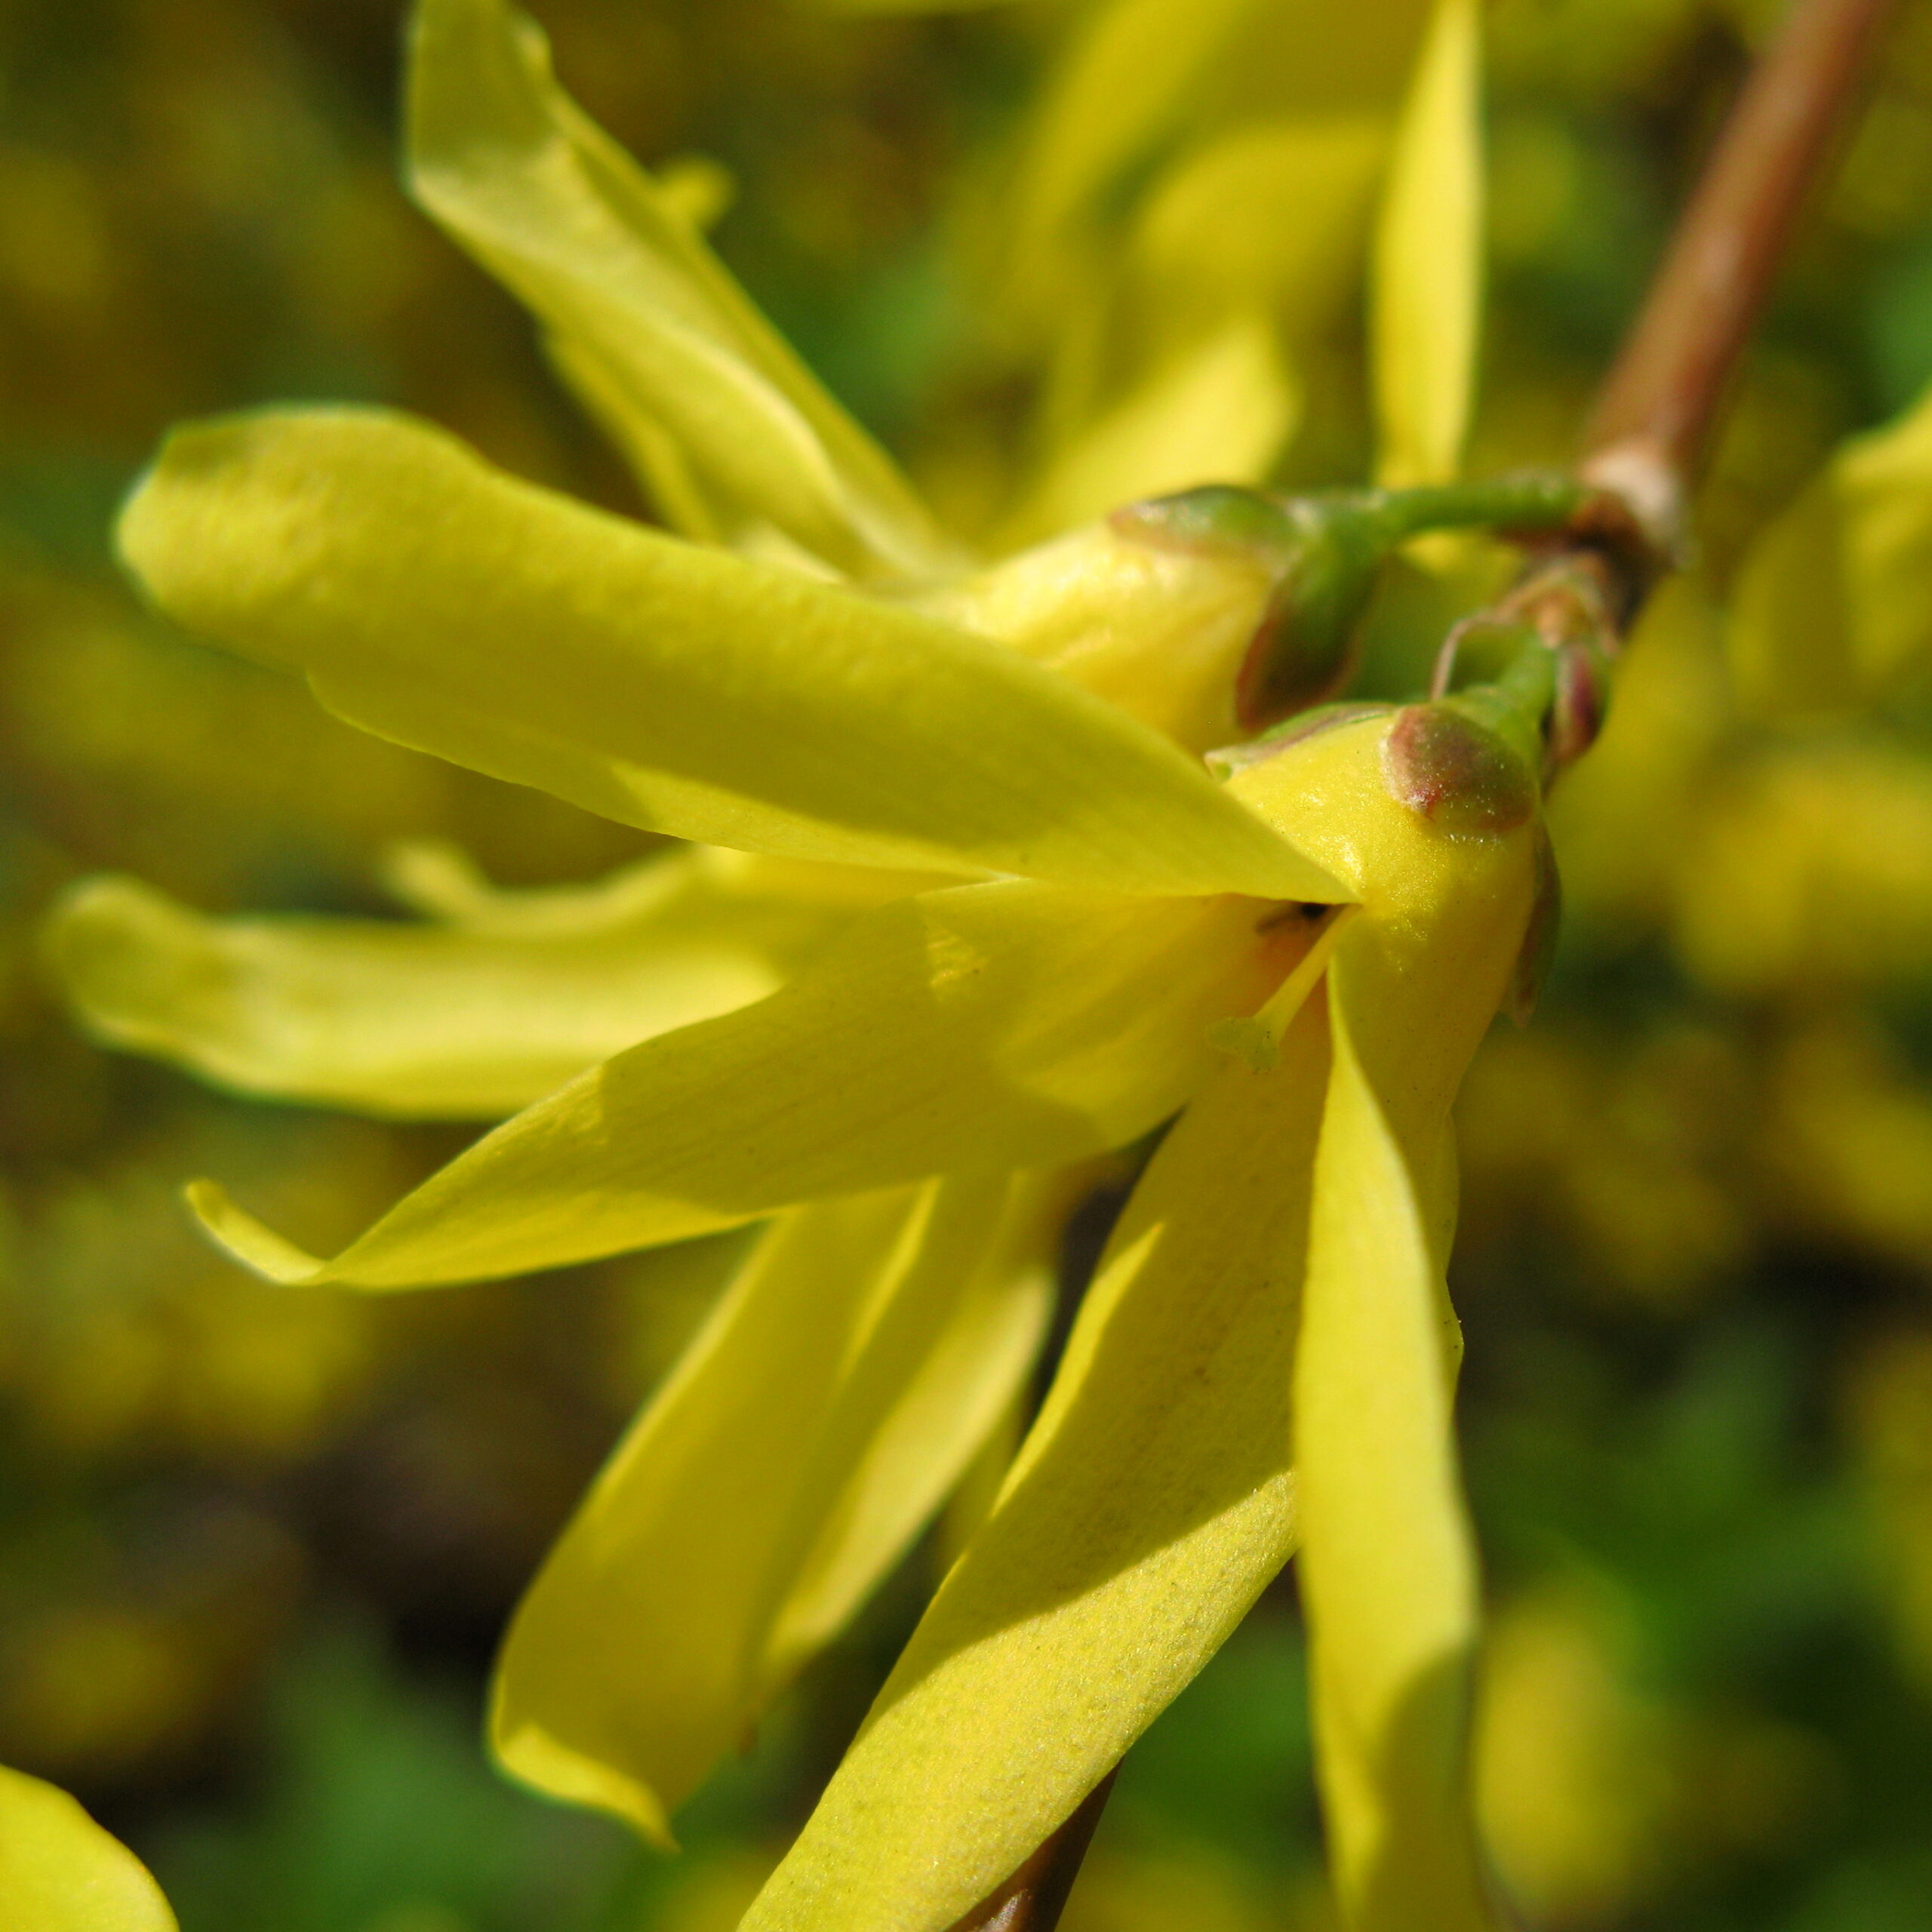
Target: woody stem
[(1652, 425)]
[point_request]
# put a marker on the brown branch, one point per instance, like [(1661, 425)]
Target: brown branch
[(1032, 1899), (1653, 421)]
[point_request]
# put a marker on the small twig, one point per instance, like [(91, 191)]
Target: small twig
[(1032, 1899), (1652, 425)]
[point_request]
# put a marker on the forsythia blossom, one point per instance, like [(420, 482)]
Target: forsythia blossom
[(965, 913)]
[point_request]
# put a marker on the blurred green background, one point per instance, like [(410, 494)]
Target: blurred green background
[(256, 1547)]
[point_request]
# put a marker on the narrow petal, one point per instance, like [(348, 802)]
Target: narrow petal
[(1006, 1025), (60, 1872), (1387, 1564), (1832, 608), (641, 309), (468, 1020), (437, 602), (1150, 1506), (1427, 297), (835, 1396)]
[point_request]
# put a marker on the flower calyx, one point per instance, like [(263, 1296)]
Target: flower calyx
[(1326, 551), (1458, 764)]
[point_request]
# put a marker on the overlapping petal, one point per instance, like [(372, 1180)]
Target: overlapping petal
[(459, 1020), (835, 1396), (984, 1027), (1426, 303), (435, 601), (1149, 1506), (663, 341), (60, 1872)]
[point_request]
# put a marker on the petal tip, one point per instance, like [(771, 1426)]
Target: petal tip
[(530, 1755), (248, 1240)]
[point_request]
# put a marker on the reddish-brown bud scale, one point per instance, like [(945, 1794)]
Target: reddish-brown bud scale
[(1439, 761)]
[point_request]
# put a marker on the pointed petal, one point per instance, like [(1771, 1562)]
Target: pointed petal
[(60, 1872), (437, 602), (834, 1396), (641, 308), (450, 1022), (1149, 1508), (1427, 298), (985, 1026)]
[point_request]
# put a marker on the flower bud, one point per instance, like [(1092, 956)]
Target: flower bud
[(1157, 626), (1325, 552)]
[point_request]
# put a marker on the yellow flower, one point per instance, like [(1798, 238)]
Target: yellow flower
[(1000, 924), (60, 1872)]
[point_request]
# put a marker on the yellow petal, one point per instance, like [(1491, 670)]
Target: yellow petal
[(435, 601), (667, 340), (982, 1027), (1418, 970), (1387, 1566), (1150, 1506), (1427, 297), (1220, 409), (462, 1021), (60, 1872), (834, 1396), (1831, 608)]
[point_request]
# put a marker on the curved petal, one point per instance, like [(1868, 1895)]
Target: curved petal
[(437, 602), (458, 1021), (644, 314), (836, 1395), (981, 1027), (60, 1872), (1149, 1508), (1427, 295)]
